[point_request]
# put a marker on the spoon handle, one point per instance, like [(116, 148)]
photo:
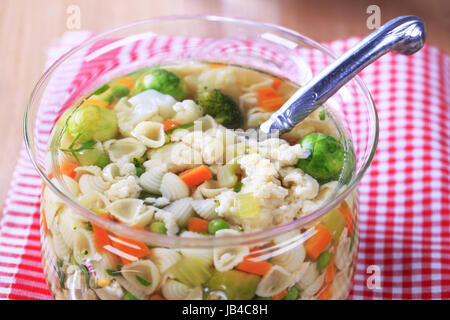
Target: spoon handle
[(404, 35)]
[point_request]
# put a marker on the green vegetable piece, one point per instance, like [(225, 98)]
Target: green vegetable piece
[(335, 222), (216, 225), (139, 164), (107, 97), (89, 226), (324, 260), (246, 205), (129, 296), (322, 114), (163, 81), (102, 161), (102, 89), (114, 273), (263, 298), (221, 107), (119, 90), (191, 272), (158, 227), (292, 294), (238, 186), (93, 123), (226, 175), (142, 281), (326, 157), (352, 238), (236, 285)]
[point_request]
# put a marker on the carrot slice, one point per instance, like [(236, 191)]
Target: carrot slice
[(101, 236), (325, 294), (95, 102), (170, 124), (256, 267), (198, 225), (348, 219), (195, 176), (217, 65), (280, 296), (129, 250), (272, 104), (156, 297), (330, 272), (315, 245), (44, 221), (127, 81), (276, 83), (68, 169), (267, 92)]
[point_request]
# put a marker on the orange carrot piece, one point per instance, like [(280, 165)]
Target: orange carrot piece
[(68, 169), (267, 92), (170, 124), (276, 83), (272, 104), (330, 272), (348, 219), (217, 65), (325, 294), (156, 297), (195, 176), (255, 267), (130, 247), (198, 225), (315, 245), (280, 296), (101, 236), (44, 221), (127, 81), (95, 102)]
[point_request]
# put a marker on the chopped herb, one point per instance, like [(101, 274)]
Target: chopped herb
[(89, 226), (183, 126), (88, 145), (86, 252), (238, 186), (143, 281), (61, 274), (216, 202), (129, 296), (85, 271), (322, 114), (144, 195), (101, 89), (139, 164), (114, 273), (182, 229)]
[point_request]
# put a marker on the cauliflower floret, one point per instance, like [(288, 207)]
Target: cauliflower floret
[(186, 111), (125, 188), (280, 151)]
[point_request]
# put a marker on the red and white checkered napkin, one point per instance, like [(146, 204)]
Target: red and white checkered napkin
[(404, 198)]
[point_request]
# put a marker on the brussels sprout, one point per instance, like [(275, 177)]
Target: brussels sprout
[(326, 157), (163, 81), (92, 122), (221, 107)]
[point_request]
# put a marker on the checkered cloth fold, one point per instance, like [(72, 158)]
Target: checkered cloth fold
[(404, 197)]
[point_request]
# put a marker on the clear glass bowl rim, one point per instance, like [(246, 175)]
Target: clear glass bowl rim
[(210, 241)]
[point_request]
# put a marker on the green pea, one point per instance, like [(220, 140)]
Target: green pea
[(129, 296), (158, 227), (292, 294), (106, 96), (324, 260), (216, 225), (119, 90)]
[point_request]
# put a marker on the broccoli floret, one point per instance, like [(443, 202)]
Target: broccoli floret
[(221, 107), (326, 157), (163, 81)]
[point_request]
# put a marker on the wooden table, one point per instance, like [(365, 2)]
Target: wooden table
[(27, 28)]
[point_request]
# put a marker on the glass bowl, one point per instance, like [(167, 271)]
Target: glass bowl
[(296, 271)]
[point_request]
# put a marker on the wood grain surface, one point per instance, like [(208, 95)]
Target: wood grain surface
[(27, 28)]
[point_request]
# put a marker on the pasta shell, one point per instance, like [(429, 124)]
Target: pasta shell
[(68, 224), (62, 251), (182, 210), (210, 189), (126, 210), (174, 290), (89, 183), (205, 208), (94, 200), (124, 150), (164, 258), (146, 271), (275, 281), (151, 179), (150, 133), (226, 258), (112, 292), (173, 188), (83, 246), (72, 185)]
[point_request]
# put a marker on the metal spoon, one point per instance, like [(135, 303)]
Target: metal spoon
[(404, 35)]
